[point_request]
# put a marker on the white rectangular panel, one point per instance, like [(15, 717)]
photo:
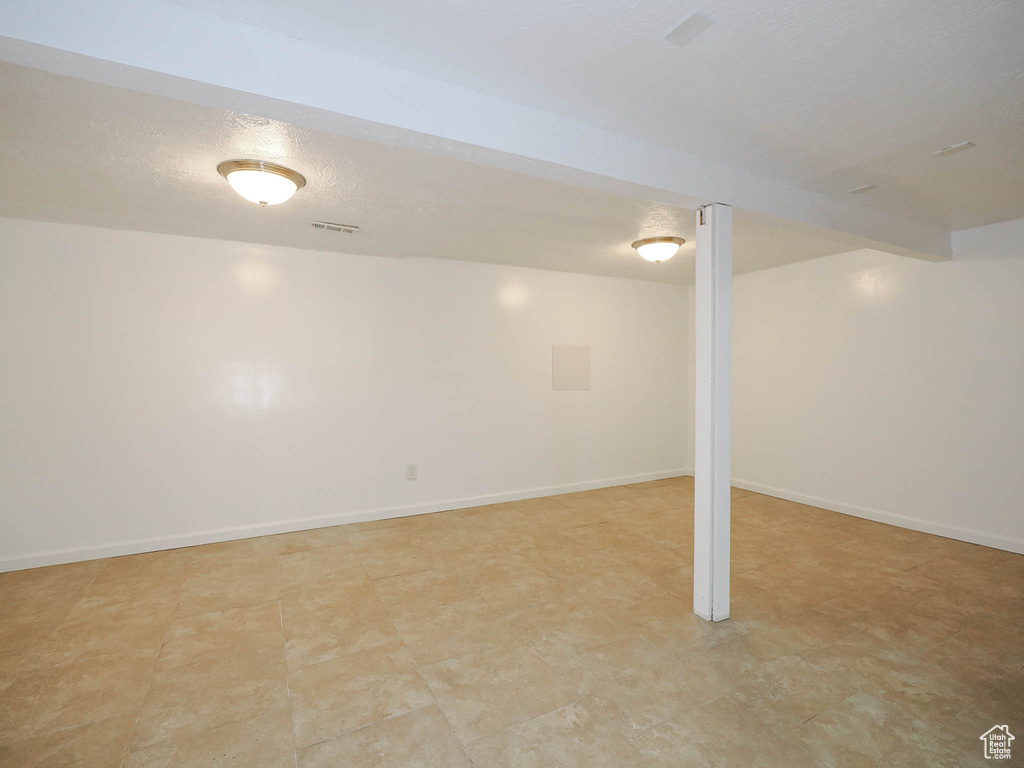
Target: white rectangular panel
[(570, 367)]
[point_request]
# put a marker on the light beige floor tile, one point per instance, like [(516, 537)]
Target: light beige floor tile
[(891, 552), (324, 625), (423, 589), (561, 629), (669, 624), (27, 627), (954, 577), (353, 691), (393, 551), (11, 666), (808, 585), (317, 569), (864, 732), (633, 686), (649, 558), (436, 634), (239, 554), (98, 744), (589, 564), (489, 567), (44, 700), (676, 581), (35, 584), (216, 590), (650, 502), (739, 656), (186, 701), (592, 503), (232, 632), (959, 610), (921, 688), (487, 690), (317, 538), (599, 535), (1011, 572), (419, 739), (718, 735), (612, 589), (520, 589), (1002, 638), (395, 561), (974, 555), (33, 601), (975, 671), (750, 602), (801, 628), (142, 587), (375, 525), (872, 604), (261, 742), (1002, 704), (566, 738), (912, 629), (550, 547), (168, 565), (97, 627), (788, 691)]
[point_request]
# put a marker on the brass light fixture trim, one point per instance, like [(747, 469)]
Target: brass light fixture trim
[(649, 240), (228, 166), (251, 169), (654, 249)]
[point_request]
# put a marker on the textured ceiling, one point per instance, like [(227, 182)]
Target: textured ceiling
[(93, 154), (824, 94)]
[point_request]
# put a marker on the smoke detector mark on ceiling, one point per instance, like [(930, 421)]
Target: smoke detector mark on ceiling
[(329, 226), (695, 23), (954, 148), (859, 190)]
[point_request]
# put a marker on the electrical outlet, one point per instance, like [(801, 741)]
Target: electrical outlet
[(410, 472)]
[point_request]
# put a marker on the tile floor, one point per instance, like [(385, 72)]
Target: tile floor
[(548, 632)]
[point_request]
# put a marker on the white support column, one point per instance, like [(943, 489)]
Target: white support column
[(711, 412)]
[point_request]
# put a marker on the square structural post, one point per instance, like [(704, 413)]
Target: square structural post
[(711, 412)]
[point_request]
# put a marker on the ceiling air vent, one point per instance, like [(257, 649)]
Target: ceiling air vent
[(955, 148), (330, 226)]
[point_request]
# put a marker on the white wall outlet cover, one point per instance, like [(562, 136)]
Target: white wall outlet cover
[(570, 367), (411, 473)]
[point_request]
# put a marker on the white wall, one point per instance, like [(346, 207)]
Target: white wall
[(160, 391), (889, 388)]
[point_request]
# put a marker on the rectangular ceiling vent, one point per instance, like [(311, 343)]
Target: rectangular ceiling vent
[(330, 226), (694, 23), (955, 148)]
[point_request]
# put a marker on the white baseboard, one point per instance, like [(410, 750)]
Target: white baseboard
[(960, 533), (138, 546)]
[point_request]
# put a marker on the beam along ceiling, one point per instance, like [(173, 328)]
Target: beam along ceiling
[(81, 152), (828, 95)]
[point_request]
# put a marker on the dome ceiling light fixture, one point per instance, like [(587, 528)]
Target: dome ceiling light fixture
[(259, 182), (658, 248)]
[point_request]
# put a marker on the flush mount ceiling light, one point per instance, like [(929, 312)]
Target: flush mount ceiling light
[(658, 248), (263, 183)]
